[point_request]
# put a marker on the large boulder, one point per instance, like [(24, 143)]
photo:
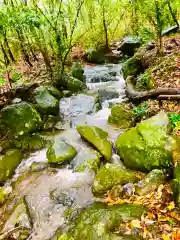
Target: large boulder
[(121, 115), (129, 45), (98, 138), (60, 152), (46, 102), (147, 146), (151, 182), (111, 175), (99, 220), (19, 119), (8, 163), (96, 55)]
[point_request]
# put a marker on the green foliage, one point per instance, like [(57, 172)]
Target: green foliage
[(2, 81), (144, 81), (174, 120), (16, 76), (141, 110), (146, 34)]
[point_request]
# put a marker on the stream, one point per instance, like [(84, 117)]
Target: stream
[(49, 193)]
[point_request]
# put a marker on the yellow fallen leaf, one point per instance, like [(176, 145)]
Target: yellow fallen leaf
[(171, 206), (165, 237), (135, 224)]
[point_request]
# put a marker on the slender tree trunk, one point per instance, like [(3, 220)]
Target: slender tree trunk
[(105, 30), (6, 59), (23, 50), (8, 49), (172, 14), (158, 28)]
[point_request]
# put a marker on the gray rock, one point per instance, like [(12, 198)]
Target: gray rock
[(129, 45)]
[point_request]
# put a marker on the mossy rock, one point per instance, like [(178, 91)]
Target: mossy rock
[(132, 67), (20, 119), (46, 102), (151, 182), (96, 55), (8, 163), (98, 138), (121, 115), (147, 146), (74, 85), (60, 152), (87, 160), (129, 45), (110, 175), (99, 220)]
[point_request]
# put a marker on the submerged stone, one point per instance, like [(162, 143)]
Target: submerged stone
[(86, 160), (151, 182), (46, 102), (147, 146), (20, 119), (60, 152), (8, 163), (98, 138), (111, 175), (121, 115)]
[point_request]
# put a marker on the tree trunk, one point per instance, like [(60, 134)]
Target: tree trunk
[(8, 48), (105, 30), (6, 59), (172, 14)]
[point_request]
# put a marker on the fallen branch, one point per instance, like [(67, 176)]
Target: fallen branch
[(134, 94), (169, 97)]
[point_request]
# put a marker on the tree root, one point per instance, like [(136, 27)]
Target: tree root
[(159, 93), (11, 231)]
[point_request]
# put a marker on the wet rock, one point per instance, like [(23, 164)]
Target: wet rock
[(98, 138), (96, 55), (78, 71), (55, 92), (8, 163), (101, 77), (129, 45), (170, 30), (74, 85), (121, 115), (50, 122), (87, 160), (19, 119), (147, 146), (151, 182), (78, 106), (46, 102), (52, 197), (99, 220), (19, 217), (60, 152), (111, 175), (107, 95)]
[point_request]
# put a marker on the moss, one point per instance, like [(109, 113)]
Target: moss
[(151, 182), (147, 146), (75, 85), (121, 115), (98, 138), (144, 81), (3, 195), (55, 92), (20, 119), (111, 175), (132, 67), (8, 163)]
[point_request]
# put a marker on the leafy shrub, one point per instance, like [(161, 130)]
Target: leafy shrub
[(146, 34), (141, 110), (144, 81), (175, 122), (16, 76), (2, 81)]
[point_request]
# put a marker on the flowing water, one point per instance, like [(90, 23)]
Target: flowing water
[(50, 193)]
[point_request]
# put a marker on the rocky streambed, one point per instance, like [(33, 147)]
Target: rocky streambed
[(56, 171)]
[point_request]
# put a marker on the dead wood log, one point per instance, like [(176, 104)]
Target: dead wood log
[(169, 97)]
